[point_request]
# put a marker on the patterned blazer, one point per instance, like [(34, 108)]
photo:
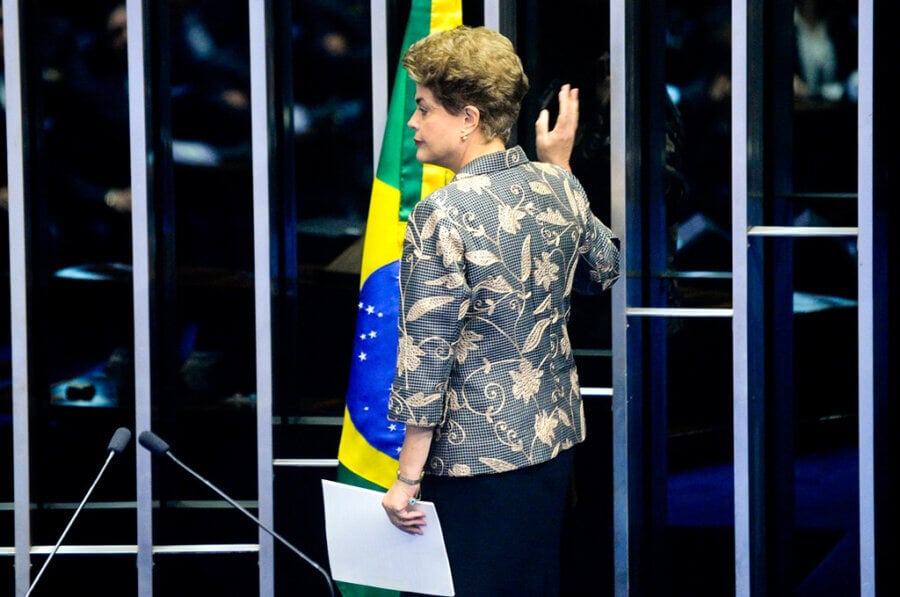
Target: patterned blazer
[(489, 264)]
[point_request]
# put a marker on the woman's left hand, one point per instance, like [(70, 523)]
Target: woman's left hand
[(555, 146), (399, 503)]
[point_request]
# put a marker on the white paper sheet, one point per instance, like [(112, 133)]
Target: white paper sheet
[(366, 549)]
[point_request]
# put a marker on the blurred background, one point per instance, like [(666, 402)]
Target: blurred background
[(80, 319)]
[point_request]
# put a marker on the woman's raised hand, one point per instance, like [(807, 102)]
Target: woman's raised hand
[(555, 146)]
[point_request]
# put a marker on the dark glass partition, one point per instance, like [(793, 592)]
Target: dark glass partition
[(77, 206), (812, 394), (202, 250), (323, 81), (698, 154), (694, 363)]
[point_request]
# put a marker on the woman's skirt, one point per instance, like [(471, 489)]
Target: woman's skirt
[(503, 531)]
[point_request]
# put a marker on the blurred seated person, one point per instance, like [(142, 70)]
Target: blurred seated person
[(825, 50), (704, 145), (92, 198), (591, 154), (210, 103), (210, 72), (333, 101), (824, 89)]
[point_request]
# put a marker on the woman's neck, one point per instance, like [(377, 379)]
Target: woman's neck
[(477, 149)]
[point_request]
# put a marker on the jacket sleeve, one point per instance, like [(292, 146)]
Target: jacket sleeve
[(598, 264), (434, 297)]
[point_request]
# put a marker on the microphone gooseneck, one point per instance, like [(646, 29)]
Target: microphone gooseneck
[(155, 444), (117, 444)]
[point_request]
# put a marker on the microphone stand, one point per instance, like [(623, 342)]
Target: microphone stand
[(255, 519)]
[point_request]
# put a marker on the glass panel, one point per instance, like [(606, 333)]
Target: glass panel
[(330, 86), (207, 311), (816, 492), (823, 445), (67, 574), (680, 257), (825, 90), (301, 522), (332, 94), (80, 319), (824, 121), (698, 154), (700, 459), (206, 574)]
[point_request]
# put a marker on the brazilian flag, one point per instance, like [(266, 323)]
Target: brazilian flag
[(370, 444)]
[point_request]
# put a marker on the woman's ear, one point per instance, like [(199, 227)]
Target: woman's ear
[(472, 117)]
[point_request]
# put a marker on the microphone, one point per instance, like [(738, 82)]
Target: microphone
[(116, 445), (156, 445), (119, 440)]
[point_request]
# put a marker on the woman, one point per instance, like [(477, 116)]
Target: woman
[(486, 382)]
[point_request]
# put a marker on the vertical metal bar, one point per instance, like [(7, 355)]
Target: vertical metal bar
[(18, 276), (492, 14), (756, 156), (259, 94), (380, 75), (140, 231), (619, 323), (739, 258), (501, 15), (866, 312), (503, 20)]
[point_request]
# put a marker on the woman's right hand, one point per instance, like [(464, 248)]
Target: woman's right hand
[(555, 146), (399, 503)]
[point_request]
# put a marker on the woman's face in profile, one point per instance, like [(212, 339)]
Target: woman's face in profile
[(437, 131)]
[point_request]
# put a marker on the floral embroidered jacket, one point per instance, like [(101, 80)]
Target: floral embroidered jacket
[(488, 267)]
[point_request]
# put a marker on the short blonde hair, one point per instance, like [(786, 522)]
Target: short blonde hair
[(471, 66)]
